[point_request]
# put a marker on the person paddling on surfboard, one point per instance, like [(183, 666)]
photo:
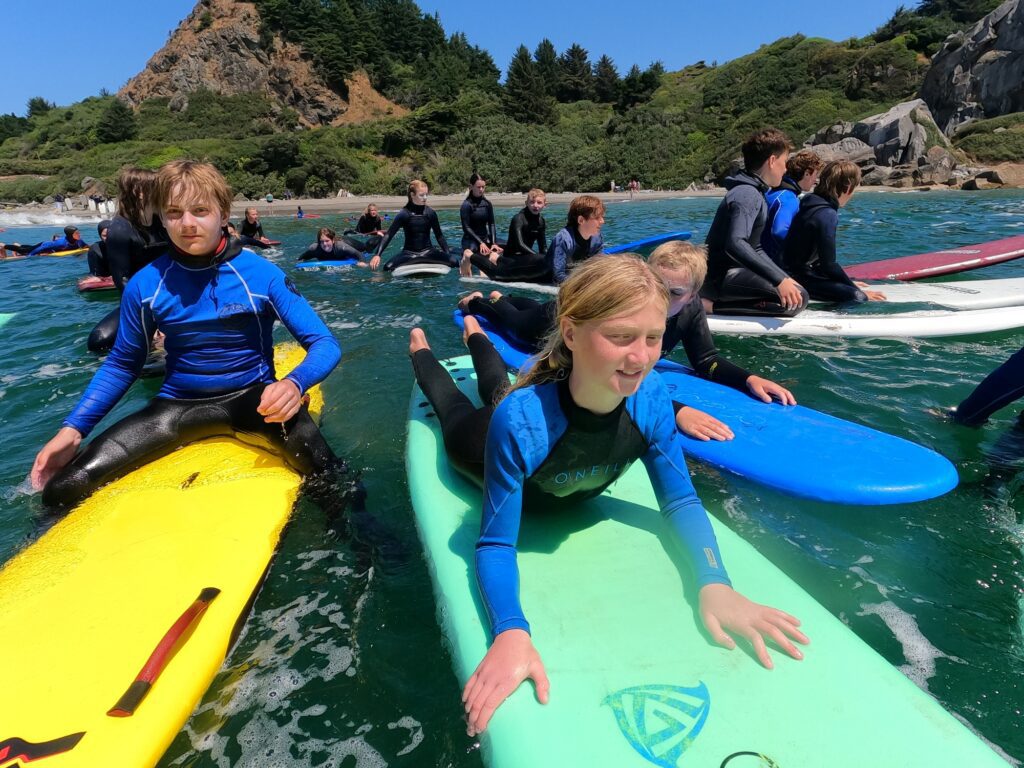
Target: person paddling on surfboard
[(71, 241), (569, 427), (809, 255), (416, 220), (217, 303), (682, 266), (328, 248)]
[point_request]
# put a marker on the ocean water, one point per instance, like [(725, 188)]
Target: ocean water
[(342, 662)]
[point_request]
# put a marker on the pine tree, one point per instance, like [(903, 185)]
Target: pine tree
[(548, 72), (117, 123), (576, 78), (606, 81), (524, 99)]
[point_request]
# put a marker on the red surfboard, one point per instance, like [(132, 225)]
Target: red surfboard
[(945, 262), (92, 283)]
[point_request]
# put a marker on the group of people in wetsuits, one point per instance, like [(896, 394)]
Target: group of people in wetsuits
[(588, 399)]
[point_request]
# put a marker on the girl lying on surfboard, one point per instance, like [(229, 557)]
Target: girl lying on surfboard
[(217, 303), (570, 427)]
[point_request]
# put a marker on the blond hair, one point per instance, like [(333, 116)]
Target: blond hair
[(414, 185), (186, 182), (597, 289), (534, 193), (687, 257)]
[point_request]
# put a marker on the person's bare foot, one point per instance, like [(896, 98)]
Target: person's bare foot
[(464, 301), (495, 295), (469, 327), (709, 307), (465, 267), (417, 340)]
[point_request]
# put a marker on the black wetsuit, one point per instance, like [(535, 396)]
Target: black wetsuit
[(249, 229), (369, 224), (417, 222), (477, 215), (99, 266), (523, 259), (526, 321), (340, 252), (809, 254), (362, 237), (128, 250), (1000, 388), (742, 278)]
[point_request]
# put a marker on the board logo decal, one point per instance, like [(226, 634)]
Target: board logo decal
[(661, 721), (14, 749)]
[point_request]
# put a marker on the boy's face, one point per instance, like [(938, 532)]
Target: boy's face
[(194, 228), (809, 180), (773, 170), (536, 204)]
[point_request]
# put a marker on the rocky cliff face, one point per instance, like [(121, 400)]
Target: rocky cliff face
[(979, 73), (218, 47)]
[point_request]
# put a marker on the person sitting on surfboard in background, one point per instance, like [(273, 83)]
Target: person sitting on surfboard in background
[(479, 235), (523, 258), (299, 213), (99, 266), (682, 266), (587, 402), (369, 231), (416, 220), (579, 240), (810, 251), (328, 248), (71, 241), (997, 390), (802, 170), (742, 279), (245, 241), (217, 303), (251, 226)]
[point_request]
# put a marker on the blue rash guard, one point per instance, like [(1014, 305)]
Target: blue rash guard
[(541, 446), (218, 320), (783, 204), (60, 244), (568, 249)]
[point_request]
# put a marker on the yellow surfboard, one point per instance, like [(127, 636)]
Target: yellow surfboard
[(86, 606), (72, 252)]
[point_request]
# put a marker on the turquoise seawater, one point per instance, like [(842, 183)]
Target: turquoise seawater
[(342, 662)]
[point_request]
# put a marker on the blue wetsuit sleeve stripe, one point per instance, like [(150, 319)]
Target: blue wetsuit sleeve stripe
[(122, 366), (679, 503), (496, 565), (322, 350)]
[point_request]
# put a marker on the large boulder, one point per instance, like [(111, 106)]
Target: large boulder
[(977, 73), (845, 149)]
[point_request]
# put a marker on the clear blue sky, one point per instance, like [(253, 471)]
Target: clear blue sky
[(115, 38)]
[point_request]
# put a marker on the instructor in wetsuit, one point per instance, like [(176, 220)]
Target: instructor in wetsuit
[(571, 426), (417, 220), (217, 304), (478, 231)]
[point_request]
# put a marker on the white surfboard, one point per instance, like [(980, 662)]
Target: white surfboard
[(485, 282), (420, 270), (963, 294), (898, 325)]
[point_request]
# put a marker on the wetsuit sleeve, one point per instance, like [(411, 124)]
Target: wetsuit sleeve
[(701, 351), (787, 204), (596, 244), (322, 350), (561, 246), (121, 241), (50, 245), (397, 224), (824, 227), (517, 235), (492, 231), (744, 206), (98, 260), (122, 366), (671, 480), (259, 231), (435, 225), (542, 244), (465, 213), (496, 566)]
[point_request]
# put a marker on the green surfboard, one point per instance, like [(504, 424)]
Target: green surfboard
[(4, 317), (635, 680)]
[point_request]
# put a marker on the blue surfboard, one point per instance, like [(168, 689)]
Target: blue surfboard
[(314, 265), (776, 445), (648, 242)]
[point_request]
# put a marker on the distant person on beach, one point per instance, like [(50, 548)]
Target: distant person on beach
[(579, 240), (810, 253), (682, 266), (99, 264), (478, 230), (802, 171), (71, 241), (217, 304), (416, 220), (742, 278), (523, 259), (1000, 388), (58, 202), (328, 248), (251, 226)]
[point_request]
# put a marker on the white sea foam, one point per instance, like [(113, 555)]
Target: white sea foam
[(44, 218), (415, 733), (918, 650)]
